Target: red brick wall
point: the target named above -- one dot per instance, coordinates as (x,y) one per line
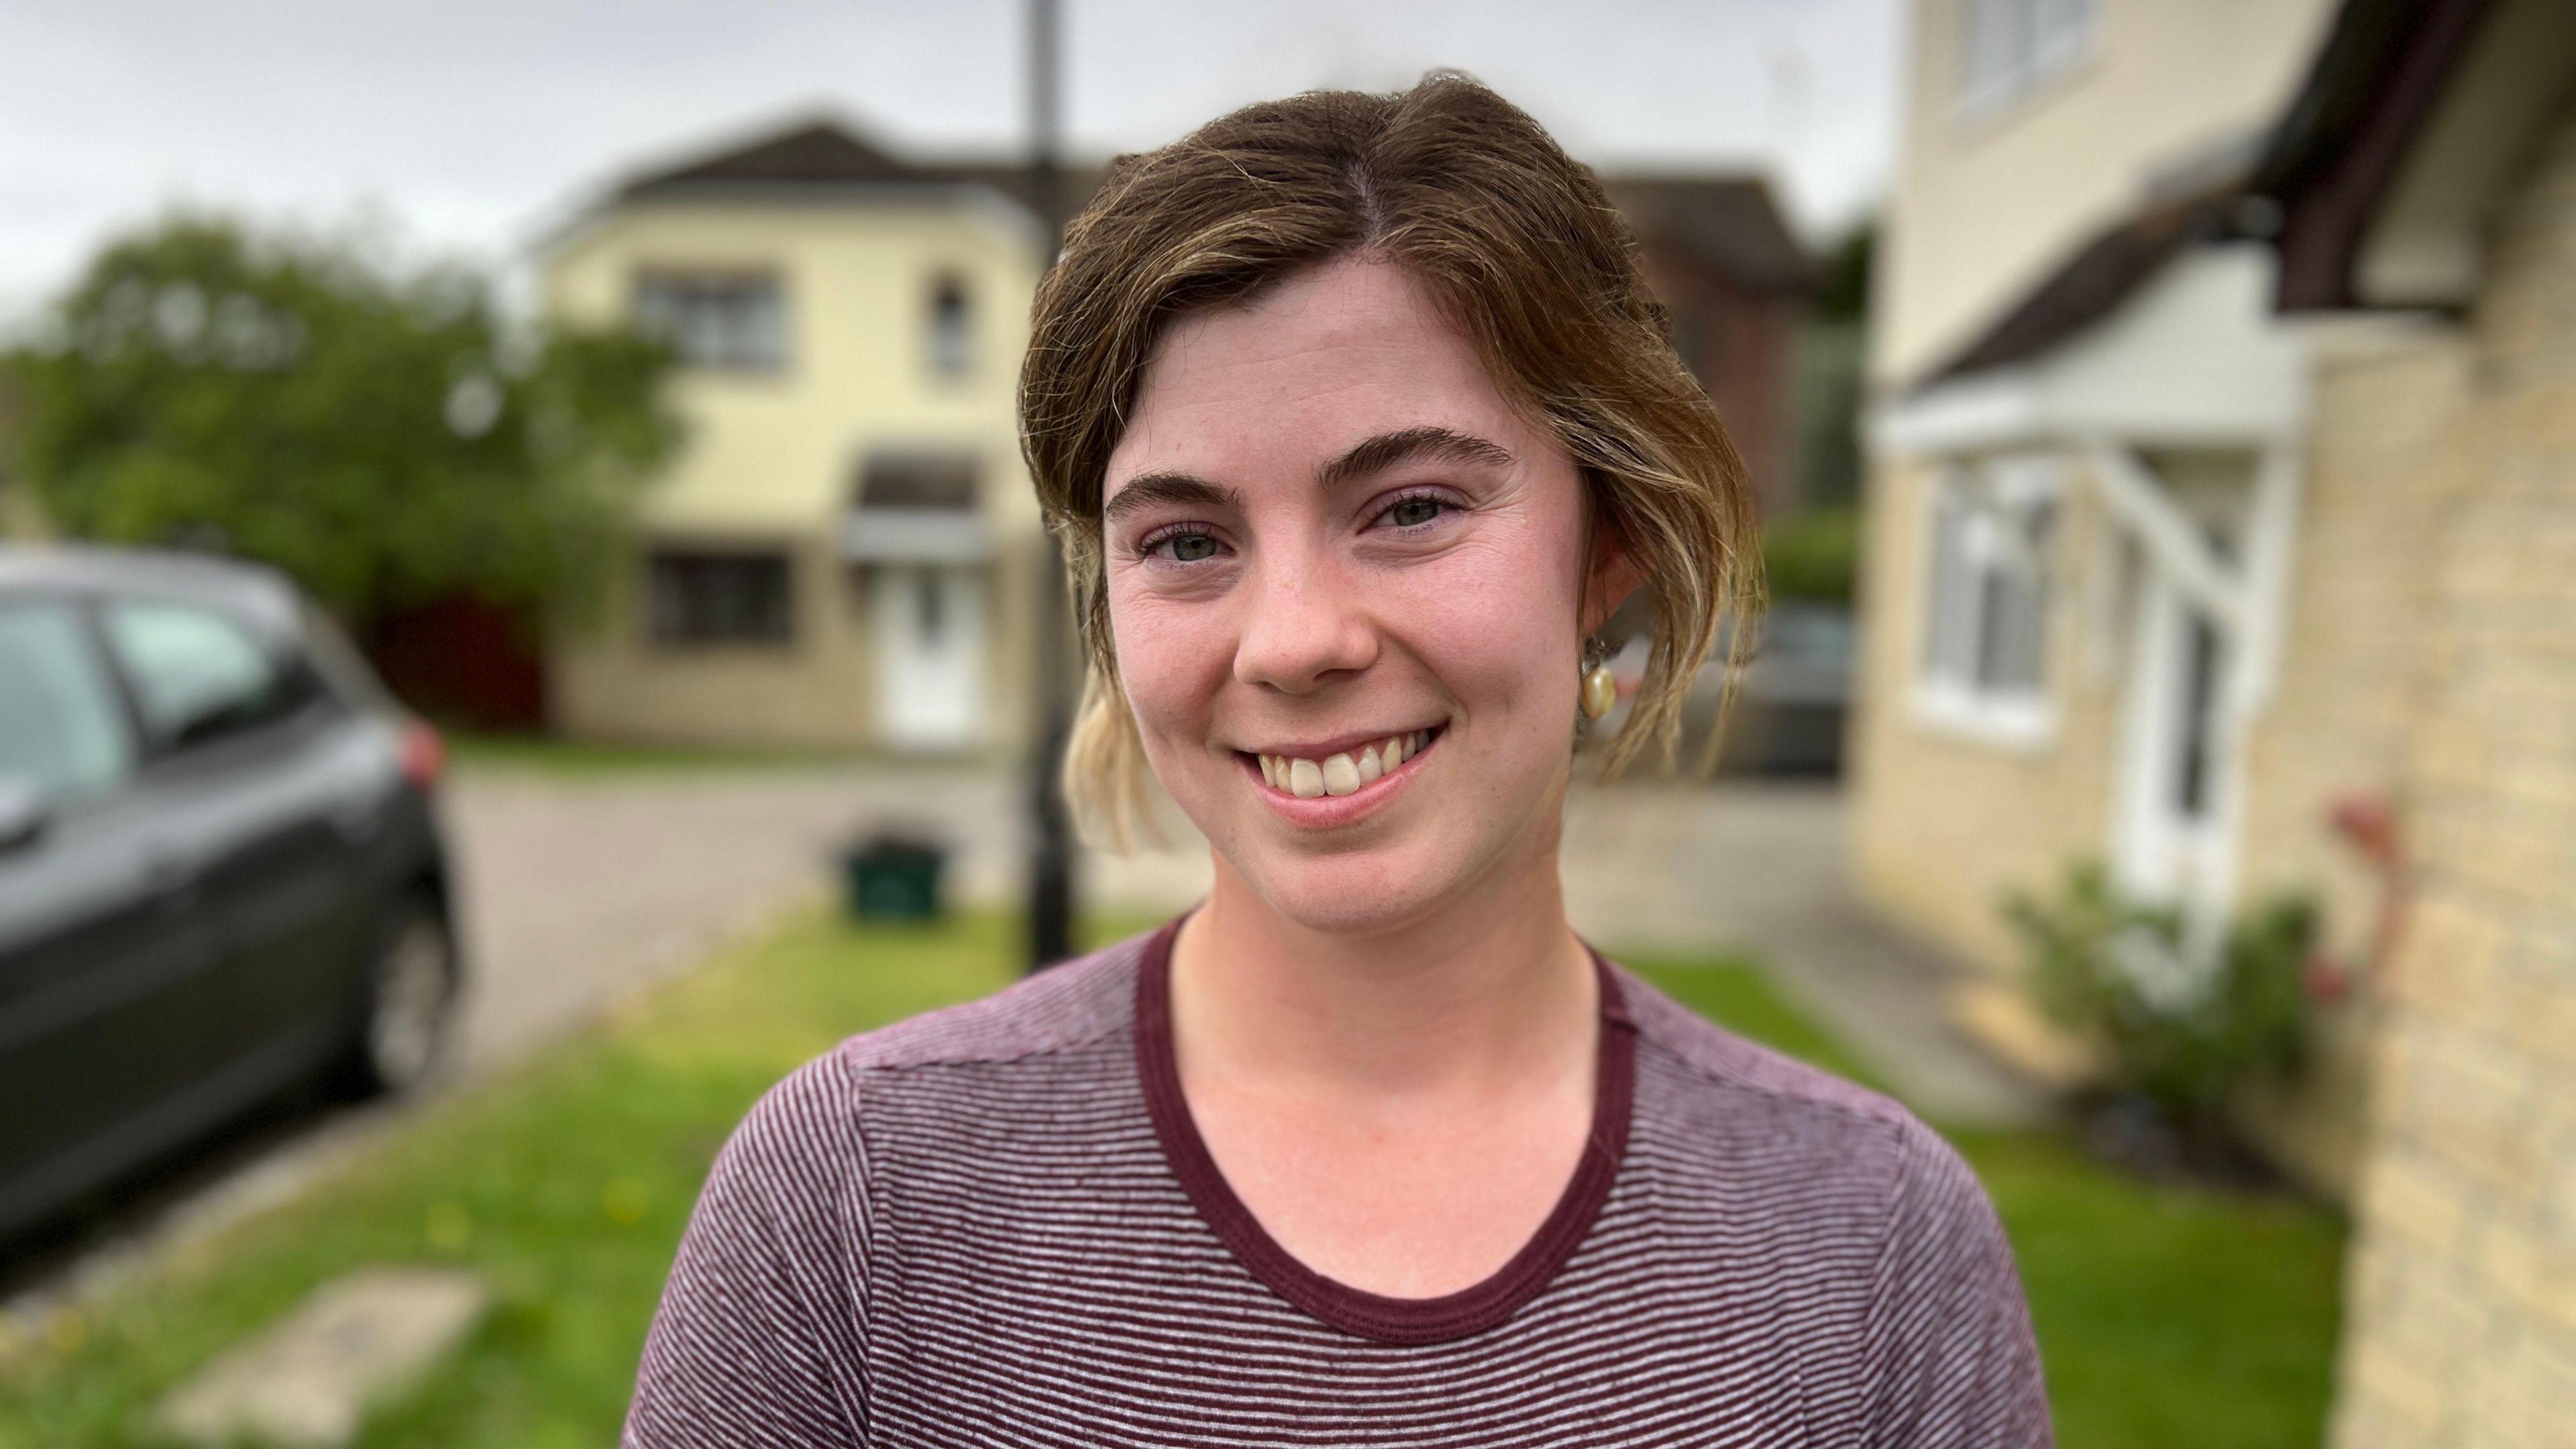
(1739,344)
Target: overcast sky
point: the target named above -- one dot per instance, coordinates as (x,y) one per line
(469,124)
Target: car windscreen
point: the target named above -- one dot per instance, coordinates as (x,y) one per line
(62,729)
(198,673)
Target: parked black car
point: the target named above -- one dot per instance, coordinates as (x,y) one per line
(220,872)
(1791,701)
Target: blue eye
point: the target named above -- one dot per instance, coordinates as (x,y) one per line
(1182,545)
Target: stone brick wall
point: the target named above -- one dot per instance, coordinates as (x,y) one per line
(2379,474)
(2461,1290)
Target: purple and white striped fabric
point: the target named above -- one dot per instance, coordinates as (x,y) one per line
(994,1224)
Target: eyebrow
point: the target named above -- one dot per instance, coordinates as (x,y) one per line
(1374,455)
(1384,451)
(1149,490)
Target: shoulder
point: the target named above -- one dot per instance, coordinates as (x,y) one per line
(1731,1102)
(815,1110)
(1063,1008)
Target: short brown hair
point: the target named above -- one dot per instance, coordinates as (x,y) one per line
(1514,240)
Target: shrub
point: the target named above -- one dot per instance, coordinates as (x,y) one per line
(1813,555)
(2178,1026)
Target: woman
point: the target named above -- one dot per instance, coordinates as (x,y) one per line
(1357,423)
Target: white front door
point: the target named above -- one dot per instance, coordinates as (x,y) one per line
(2175,755)
(930,654)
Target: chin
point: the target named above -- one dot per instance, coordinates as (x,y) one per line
(1407,874)
(1349,893)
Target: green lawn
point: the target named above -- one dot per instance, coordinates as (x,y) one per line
(566,758)
(2165,1316)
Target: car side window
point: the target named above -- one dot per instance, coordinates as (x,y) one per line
(62,730)
(197,674)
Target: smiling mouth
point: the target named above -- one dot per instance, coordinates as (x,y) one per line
(1344,772)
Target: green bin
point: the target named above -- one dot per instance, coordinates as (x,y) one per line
(893,878)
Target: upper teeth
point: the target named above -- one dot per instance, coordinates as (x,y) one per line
(1341,774)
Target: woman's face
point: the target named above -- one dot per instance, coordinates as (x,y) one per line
(1327,531)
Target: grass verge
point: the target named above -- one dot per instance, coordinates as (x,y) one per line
(2165,1315)
(564,758)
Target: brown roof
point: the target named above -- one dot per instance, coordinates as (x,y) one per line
(2325,162)
(2095,278)
(1727,222)
(819,152)
(2376,83)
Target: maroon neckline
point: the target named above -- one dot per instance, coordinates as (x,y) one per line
(1468,1311)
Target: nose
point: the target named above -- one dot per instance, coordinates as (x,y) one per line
(1304,625)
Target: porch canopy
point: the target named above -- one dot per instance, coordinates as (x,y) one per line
(2154,343)
(2159,334)
(917,507)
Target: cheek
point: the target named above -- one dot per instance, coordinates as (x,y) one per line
(1495,620)
(1172,657)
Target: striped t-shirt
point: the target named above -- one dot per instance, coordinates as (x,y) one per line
(995,1224)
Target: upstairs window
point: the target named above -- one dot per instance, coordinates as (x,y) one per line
(702,596)
(1994,526)
(730,321)
(2009,48)
(952,329)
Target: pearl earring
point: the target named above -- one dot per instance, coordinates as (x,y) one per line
(1600,691)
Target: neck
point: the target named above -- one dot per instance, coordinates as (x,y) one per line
(1478,993)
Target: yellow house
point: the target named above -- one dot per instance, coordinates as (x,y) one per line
(844,554)
(2428,171)
(2155,514)
(2223,517)
(2135,588)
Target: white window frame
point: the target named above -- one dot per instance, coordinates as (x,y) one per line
(1992,523)
(951,332)
(2034,42)
(726,320)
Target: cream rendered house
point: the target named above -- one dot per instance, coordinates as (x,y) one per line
(2224,481)
(843,555)
(2093,623)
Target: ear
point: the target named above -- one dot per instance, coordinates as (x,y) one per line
(1615,575)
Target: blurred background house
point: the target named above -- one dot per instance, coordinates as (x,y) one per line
(2222,527)
(1736,283)
(843,556)
(845,553)
(2084,507)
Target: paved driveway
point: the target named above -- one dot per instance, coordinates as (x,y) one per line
(580,889)
(1758,865)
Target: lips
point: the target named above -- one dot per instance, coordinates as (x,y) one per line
(1341,772)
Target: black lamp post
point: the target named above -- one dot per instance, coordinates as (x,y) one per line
(1050,907)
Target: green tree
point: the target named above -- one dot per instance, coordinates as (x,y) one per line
(1829,361)
(383,435)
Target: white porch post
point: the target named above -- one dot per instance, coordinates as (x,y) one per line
(2134,496)
(2271,536)
(2247,602)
